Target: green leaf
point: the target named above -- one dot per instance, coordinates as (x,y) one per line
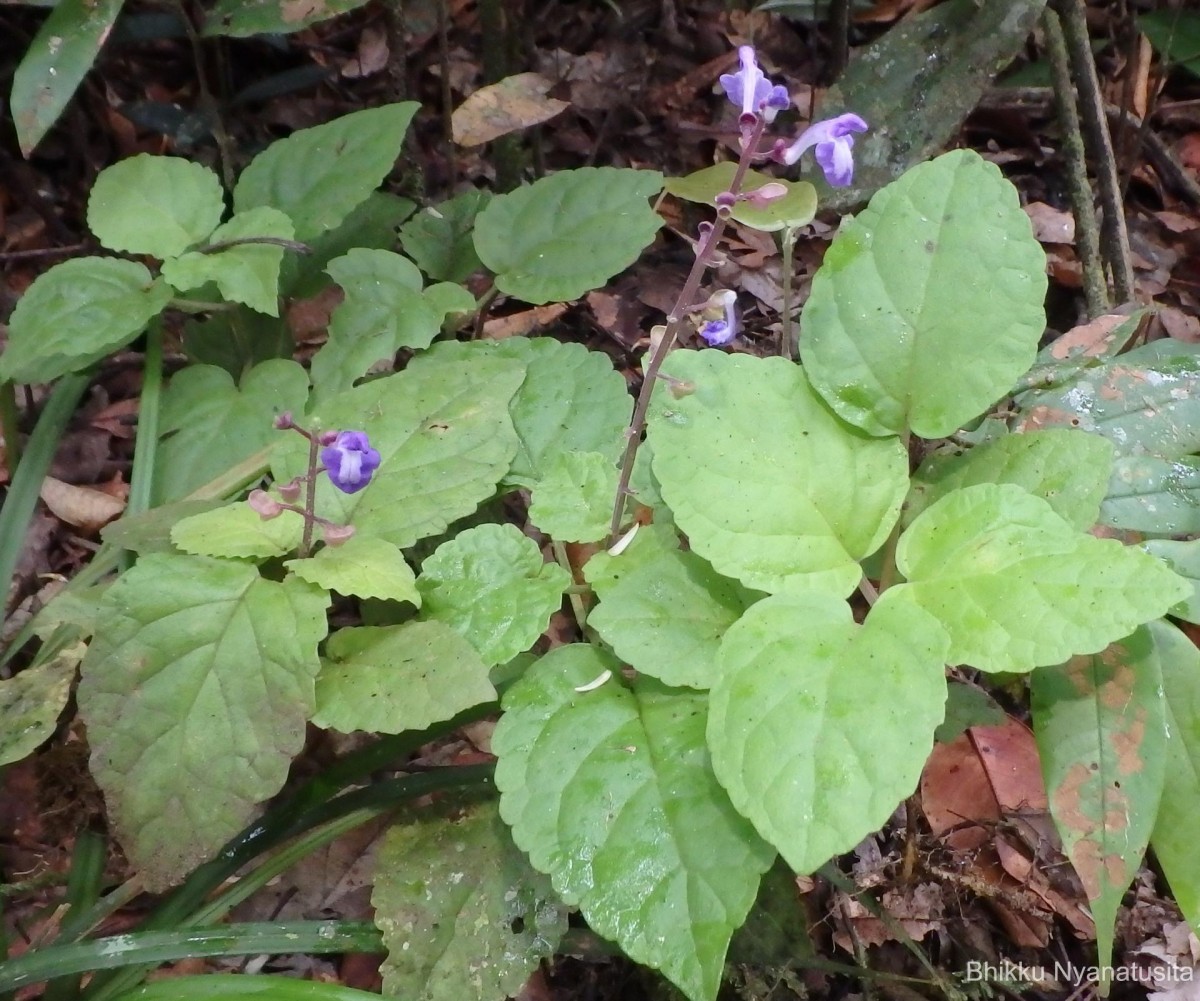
(568,233)
(237,339)
(1017,587)
(491,585)
(797,208)
(462,913)
(966,706)
(150,531)
(383,311)
(236,531)
(611,793)
(1144,401)
(76,313)
(1101,736)
(362,566)
(195,692)
(55,63)
(156,205)
(572,400)
(318,175)
(371,224)
(663,610)
(31,702)
(885,342)
(1175,35)
(246,273)
(1184,559)
(768,485)
(239,19)
(818,726)
(1151,494)
(450,300)
(573,502)
(440,238)
(208,424)
(388,679)
(1068,469)
(1174,835)
(444,436)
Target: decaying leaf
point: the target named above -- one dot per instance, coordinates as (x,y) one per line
(515,103)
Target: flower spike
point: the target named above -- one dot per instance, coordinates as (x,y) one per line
(834,144)
(750,88)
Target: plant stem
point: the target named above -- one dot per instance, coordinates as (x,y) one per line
(10,427)
(687,297)
(578,607)
(145,447)
(786,347)
(26,484)
(310,499)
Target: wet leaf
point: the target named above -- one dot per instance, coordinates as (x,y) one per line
(1068,469)
(462,913)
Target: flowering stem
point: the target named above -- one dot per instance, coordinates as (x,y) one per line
(686,296)
(310,497)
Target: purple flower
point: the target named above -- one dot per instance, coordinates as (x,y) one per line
(750,88)
(721,323)
(350,461)
(835,146)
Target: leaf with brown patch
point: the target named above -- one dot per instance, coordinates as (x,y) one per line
(1101,730)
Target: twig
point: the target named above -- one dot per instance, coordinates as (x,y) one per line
(1087,234)
(1114,236)
(20,255)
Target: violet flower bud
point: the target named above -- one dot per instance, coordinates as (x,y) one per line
(721,323)
(289,491)
(750,88)
(335,535)
(350,460)
(264,505)
(834,147)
